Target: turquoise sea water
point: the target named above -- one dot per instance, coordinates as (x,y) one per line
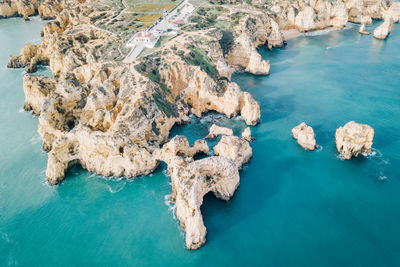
(293,207)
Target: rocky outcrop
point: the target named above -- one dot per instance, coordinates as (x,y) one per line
(354,139)
(257,65)
(362,30)
(393,12)
(252,32)
(246,134)
(305,136)
(48,9)
(37,89)
(202,93)
(10,8)
(234,148)
(216,130)
(383,30)
(191,180)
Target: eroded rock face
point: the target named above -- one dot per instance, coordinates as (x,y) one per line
(354,139)
(246,134)
(254,31)
(234,148)
(191,180)
(257,65)
(216,130)
(48,9)
(37,89)
(305,136)
(383,30)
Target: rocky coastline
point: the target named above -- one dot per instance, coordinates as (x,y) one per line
(114,119)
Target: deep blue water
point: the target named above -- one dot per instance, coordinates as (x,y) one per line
(293,207)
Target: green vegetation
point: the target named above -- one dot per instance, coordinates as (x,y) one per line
(206,17)
(168,108)
(197,57)
(150,67)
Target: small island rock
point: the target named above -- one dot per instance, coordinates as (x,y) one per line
(216,130)
(354,139)
(305,136)
(383,30)
(246,135)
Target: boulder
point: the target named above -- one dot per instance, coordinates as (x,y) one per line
(246,135)
(354,139)
(305,136)
(216,130)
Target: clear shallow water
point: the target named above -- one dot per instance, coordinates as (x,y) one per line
(293,207)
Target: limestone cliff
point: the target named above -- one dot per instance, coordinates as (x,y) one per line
(48,9)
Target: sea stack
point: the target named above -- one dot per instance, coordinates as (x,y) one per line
(354,139)
(216,130)
(362,30)
(383,30)
(305,136)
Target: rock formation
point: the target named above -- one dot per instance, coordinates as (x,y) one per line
(234,148)
(48,9)
(37,89)
(191,180)
(354,139)
(216,130)
(246,134)
(305,136)
(383,30)
(114,118)
(362,30)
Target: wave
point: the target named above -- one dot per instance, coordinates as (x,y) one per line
(171,206)
(117,188)
(35,139)
(165,172)
(211,118)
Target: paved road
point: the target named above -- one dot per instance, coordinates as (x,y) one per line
(137,49)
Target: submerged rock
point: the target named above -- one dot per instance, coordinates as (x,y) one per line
(216,130)
(305,136)
(354,139)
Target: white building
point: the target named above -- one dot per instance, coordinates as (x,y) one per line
(143,38)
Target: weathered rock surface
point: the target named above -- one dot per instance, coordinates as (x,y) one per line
(383,30)
(48,9)
(354,139)
(113,118)
(362,30)
(254,31)
(37,89)
(246,134)
(305,136)
(216,130)
(257,65)
(191,180)
(234,148)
